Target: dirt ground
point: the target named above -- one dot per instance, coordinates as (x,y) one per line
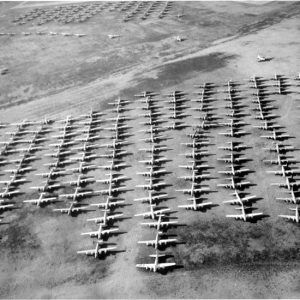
(56,76)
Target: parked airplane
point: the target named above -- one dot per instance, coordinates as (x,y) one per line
(151,185)
(72,208)
(8,192)
(100,233)
(193,190)
(233,185)
(238,200)
(6,206)
(113,36)
(283,172)
(113,165)
(41,200)
(153,213)
(294,218)
(156,266)
(83,166)
(195,205)
(232,158)
(98,251)
(158,241)
(275,136)
(78,194)
(233,146)
(194,177)
(105,218)
(109,203)
(113,178)
(152,197)
(289,185)
(153,171)
(48,186)
(244,216)
(233,171)
(293,199)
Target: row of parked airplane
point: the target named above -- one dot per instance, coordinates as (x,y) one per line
(153,173)
(234,159)
(283,161)
(113,183)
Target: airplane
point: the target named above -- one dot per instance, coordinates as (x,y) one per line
(153,213)
(152,172)
(18,170)
(193,190)
(115,153)
(232,132)
(98,251)
(283,172)
(238,200)
(151,185)
(233,185)
(108,203)
(265,126)
(78,193)
(113,36)
(232,123)
(262,58)
(113,178)
(179,39)
(84,156)
(279,161)
(100,232)
(194,177)
(158,241)
(279,148)
(159,224)
(8,192)
(195,153)
(156,266)
(48,186)
(71,209)
(114,144)
(287,184)
(145,94)
(195,206)
(154,148)
(13,180)
(110,190)
(41,200)
(6,206)
(293,199)
(79,34)
(88,138)
(54,172)
(62,144)
(105,218)
(275,136)
(153,160)
(232,146)
(152,197)
(244,216)
(232,159)
(233,171)
(294,218)
(30,149)
(58,154)
(81,180)
(113,165)
(194,166)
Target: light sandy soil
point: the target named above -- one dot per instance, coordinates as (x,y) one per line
(38,257)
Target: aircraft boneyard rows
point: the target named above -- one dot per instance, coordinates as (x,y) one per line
(81,164)
(78,13)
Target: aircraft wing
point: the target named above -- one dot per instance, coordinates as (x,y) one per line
(81,208)
(237,217)
(146,266)
(87,252)
(165,265)
(288,217)
(166,241)
(148,243)
(253,215)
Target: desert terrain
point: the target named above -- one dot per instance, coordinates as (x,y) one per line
(55,76)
